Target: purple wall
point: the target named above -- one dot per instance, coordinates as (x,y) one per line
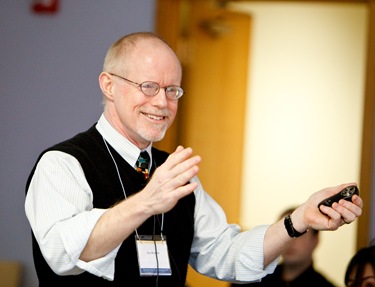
(49,91)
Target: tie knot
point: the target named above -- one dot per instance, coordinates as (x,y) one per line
(143,163)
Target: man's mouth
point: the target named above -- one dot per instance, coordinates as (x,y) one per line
(154,117)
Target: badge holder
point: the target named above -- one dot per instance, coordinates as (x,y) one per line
(153,259)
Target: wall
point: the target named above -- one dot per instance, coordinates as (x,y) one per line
(49,91)
(305,109)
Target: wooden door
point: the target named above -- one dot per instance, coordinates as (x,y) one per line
(213,45)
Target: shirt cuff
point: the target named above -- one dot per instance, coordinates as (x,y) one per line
(101,267)
(254,259)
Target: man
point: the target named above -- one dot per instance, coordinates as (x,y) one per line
(95,219)
(296,269)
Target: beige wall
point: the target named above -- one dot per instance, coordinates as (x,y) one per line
(305,108)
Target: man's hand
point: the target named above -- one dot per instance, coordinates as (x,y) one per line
(170,182)
(308,215)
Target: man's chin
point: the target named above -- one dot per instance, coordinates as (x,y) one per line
(156,137)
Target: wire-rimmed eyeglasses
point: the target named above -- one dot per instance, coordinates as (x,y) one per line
(151,89)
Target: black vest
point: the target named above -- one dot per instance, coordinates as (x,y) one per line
(100,171)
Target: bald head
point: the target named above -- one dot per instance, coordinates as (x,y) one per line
(132,48)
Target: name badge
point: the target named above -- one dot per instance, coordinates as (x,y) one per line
(153,259)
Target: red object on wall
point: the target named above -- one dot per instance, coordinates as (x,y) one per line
(45,6)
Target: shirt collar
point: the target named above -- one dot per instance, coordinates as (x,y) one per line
(122,145)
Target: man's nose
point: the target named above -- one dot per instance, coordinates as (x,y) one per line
(160,99)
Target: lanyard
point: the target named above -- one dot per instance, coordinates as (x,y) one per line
(123,190)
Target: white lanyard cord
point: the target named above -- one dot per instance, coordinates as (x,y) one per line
(123,190)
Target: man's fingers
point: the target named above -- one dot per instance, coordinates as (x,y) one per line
(177,164)
(186,189)
(178,156)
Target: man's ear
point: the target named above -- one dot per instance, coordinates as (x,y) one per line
(106,85)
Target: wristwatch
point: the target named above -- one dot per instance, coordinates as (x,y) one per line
(289,227)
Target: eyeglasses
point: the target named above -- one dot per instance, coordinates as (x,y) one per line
(151,89)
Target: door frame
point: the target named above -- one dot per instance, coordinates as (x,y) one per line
(367,155)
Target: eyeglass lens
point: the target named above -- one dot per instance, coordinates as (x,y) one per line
(151,89)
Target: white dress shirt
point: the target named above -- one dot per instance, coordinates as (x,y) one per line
(59,207)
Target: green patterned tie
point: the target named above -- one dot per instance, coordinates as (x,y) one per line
(143,164)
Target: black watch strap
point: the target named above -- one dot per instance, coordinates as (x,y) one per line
(289,227)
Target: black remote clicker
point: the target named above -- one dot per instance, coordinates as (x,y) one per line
(347,194)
